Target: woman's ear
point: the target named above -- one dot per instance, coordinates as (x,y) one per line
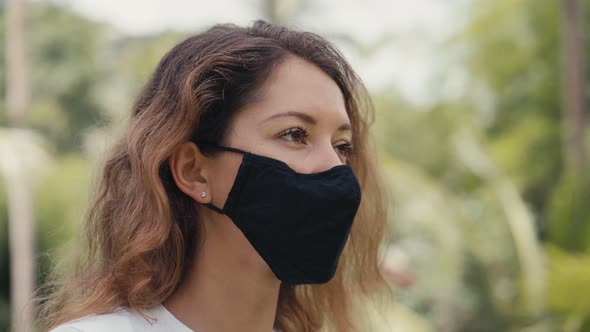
(188,167)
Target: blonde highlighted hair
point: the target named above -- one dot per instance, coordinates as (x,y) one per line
(141,230)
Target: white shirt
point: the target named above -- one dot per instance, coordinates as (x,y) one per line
(126,320)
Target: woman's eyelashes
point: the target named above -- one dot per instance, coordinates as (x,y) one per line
(296,135)
(299,135)
(345,149)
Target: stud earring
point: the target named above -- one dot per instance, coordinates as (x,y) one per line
(203,194)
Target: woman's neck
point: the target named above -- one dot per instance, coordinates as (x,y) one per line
(228,287)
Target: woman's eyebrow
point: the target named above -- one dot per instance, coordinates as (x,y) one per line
(344,127)
(304,117)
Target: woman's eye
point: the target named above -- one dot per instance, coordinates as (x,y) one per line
(296,135)
(345,149)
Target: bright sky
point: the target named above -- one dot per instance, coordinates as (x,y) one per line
(409,61)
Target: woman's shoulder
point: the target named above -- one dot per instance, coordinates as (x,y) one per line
(122,320)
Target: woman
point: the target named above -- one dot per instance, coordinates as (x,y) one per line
(229,202)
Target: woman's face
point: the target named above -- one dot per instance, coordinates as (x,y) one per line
(300,119)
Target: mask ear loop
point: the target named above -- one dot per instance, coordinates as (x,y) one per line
(225,148)
(221,147)
(214,208)
(230,149)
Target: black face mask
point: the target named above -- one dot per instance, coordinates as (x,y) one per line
(298,223)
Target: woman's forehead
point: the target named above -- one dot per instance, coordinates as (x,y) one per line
(299,86)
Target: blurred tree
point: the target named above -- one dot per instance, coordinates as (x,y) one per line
(525,104)
(536,133)
(67,70)
(575,235)
(23,151)
(18,187)
(569,288)
(459,219)
(528,110)
(24,159)
(573,79)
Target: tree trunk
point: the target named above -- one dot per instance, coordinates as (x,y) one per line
(574,118)
(17,93)
(22,265)
(21,226)
(573,75)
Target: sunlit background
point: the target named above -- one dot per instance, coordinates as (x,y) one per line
(481,130)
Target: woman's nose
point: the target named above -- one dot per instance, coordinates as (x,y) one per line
(321,159)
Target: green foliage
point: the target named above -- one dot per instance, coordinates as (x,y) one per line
(60,202)
(133,59)
(4,313)
(514,52)
(66,58)
(4,261)
(60,205)
(137,57)
(570,213)
(67,70)
(569,288)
